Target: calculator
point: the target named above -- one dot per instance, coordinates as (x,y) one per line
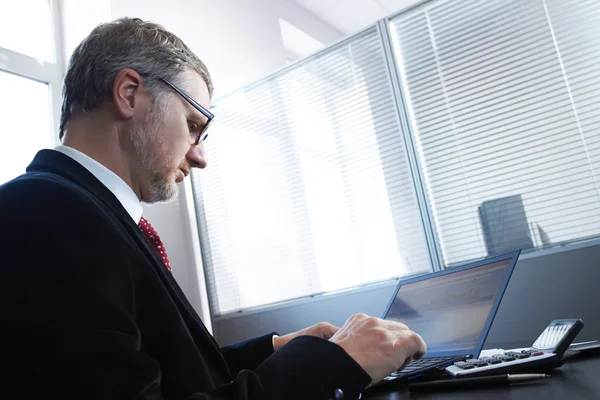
(546,353)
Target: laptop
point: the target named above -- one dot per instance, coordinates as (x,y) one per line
(452,310)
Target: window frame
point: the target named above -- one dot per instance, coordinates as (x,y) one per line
(432,251)
(51,74)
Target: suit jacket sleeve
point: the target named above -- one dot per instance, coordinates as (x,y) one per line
(67,311)
(248,354)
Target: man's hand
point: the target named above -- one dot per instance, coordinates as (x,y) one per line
(323,330)
(379,346)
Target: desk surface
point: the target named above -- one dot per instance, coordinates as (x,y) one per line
(578,378)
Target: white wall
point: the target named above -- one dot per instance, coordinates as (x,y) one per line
(308,22)
(240,42)
(78,18)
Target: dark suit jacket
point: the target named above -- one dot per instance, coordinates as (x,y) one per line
(89,311)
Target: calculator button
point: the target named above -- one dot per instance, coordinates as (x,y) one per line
(464,365)
(493,360)
(478,363)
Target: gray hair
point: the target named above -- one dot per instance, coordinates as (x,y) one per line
(143,46)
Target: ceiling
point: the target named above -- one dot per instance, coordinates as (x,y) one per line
(350,16)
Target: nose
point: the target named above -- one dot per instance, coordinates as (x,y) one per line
(196,156)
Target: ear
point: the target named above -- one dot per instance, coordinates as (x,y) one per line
(127,93)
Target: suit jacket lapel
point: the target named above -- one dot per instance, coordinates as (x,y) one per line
(61,164)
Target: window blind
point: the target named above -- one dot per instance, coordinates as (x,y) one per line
(503,100)
(308,187)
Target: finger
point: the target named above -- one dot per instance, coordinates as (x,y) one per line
(327,330)
(356,317)
(406,362)
(422,347)
(417,345)
(330,329)
(409,346)
(395,325)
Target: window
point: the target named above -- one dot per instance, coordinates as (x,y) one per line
(26,28)
(311,185)
(308,188)
(30,83)
(503,98)
(21,140)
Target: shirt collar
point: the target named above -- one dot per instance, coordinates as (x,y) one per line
(112,181)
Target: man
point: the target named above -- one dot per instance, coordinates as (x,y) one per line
(89,307)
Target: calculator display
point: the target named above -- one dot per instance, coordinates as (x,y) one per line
(552,335)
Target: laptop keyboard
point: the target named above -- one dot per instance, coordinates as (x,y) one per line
(423,364)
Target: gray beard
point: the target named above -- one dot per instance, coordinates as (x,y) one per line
(148,144)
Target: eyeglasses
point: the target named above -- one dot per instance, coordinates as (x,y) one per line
(203,134)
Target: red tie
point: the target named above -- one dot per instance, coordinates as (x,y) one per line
(155,241)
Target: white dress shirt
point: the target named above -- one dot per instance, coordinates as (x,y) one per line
(112,181)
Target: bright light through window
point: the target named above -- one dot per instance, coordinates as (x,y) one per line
(26,27)
(308,184)
(26,123)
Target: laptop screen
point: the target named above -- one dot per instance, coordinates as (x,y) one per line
(452,310)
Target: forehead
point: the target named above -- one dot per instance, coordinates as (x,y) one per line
(196,88)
